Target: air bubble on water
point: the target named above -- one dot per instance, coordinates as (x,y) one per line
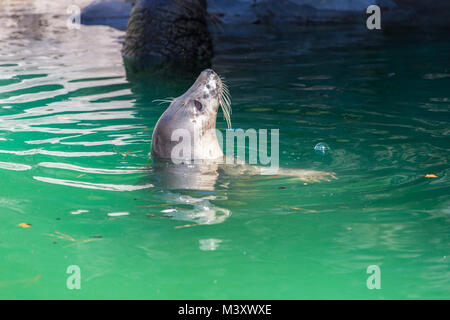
(321,148)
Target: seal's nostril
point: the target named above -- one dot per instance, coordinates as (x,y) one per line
(209,72)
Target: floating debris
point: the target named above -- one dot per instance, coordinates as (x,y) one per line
(299,209)
(63,236)
(186,226)
(81,242)
(125,154)
(24,225)
(25,282)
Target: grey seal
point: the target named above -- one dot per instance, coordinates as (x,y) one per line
(195,111)
(194,114)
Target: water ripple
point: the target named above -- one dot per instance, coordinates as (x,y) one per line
(97,186)
(66,166)
(58,153)
(14,166)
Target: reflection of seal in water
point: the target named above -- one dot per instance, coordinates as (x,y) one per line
(194,113)
(169,30)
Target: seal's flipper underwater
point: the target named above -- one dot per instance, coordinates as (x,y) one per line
(191,119)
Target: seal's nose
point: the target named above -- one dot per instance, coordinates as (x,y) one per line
(209,72)
(207,75)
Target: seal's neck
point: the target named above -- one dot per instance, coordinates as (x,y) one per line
(206,146)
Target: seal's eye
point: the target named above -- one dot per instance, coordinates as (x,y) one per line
(198,105)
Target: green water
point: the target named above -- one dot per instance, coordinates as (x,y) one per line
(75,134)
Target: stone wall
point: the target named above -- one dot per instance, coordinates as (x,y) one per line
(302,12)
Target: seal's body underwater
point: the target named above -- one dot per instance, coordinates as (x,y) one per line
(190,120)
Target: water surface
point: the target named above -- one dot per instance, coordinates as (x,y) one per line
(75,136)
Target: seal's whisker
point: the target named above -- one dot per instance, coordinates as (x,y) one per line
(226,97)
(227,94)
(225,103)
(225,88)
(165,100)
(162,102)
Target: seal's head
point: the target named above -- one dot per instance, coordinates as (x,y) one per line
(190,121)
